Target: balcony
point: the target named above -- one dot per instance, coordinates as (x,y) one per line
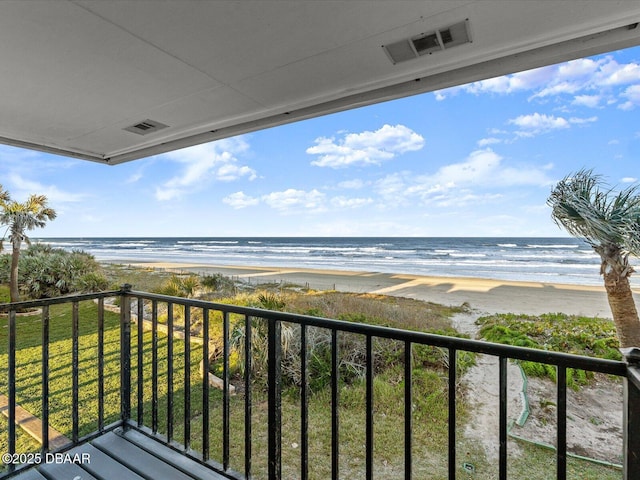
(121,395)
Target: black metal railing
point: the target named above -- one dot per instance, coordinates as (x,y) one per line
(161,393)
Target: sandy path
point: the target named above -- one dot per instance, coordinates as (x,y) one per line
(594,414)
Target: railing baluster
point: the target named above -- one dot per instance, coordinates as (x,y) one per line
(169,371)
(453,353)
(45,379)
(125,354)
(408,410)
(631,421)
(248,365)
(369,408)
(205,384)
(225,391)
(275,398)
(140,375)
(335,398)
(100,364)
(11,447)
(502,461)
(154,366)
(304,405)
(562,424)
(75,371)
(187,377)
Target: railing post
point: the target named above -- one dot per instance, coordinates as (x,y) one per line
(125,354)
(631,421)
(11,444)
(275,398)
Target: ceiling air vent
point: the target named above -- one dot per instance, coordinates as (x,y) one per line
(146,127)
(428,43)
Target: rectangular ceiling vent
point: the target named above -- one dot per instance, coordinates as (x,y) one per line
(428,43)
(146,127)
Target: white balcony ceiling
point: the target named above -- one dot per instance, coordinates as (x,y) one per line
(75,74)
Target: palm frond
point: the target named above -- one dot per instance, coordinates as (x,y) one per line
(586,207)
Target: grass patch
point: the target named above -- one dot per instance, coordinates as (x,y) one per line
(29,367)
(558,332)
(5,295)
(142,279)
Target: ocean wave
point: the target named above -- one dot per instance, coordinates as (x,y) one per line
(187,242)
(562,246)
(530,259)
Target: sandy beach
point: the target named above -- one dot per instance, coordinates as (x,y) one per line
(482,295)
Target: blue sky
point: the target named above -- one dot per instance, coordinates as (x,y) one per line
(475,160)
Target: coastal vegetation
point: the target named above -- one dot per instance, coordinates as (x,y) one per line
(19,218)
(609,221)
(46,272)
(430,372)
(558,332)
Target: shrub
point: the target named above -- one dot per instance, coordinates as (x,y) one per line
(271,301)
(217,283)
(49,272)
(177,286)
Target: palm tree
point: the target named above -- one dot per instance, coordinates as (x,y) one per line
(19,218)
(610,222)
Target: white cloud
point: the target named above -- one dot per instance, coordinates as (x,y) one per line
(356,184)
(628,180)
(632,94)
(483,142)
(464,199)
(344,202)
(240,200)
(581,121)
(591,101)
(134,177)
(573,77)
(22,188)
(453,184)
(202,164)
(537,123)
(295,200)
(613,73)
(366,148)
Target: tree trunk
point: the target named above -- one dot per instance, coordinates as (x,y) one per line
(14,290)
(616,270)
(624,312)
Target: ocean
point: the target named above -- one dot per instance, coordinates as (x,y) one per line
(549,260)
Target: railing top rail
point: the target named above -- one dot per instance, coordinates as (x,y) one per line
(611,367)
(78,297)
(519,353)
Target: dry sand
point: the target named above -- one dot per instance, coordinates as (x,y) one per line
(482,295)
